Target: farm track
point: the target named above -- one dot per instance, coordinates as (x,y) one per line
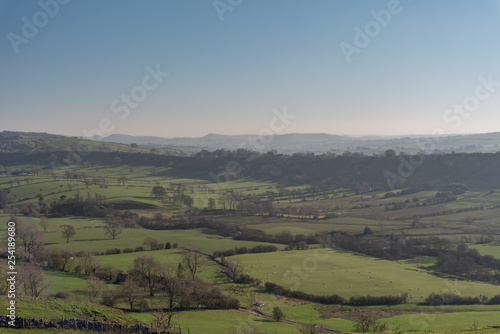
(286,321)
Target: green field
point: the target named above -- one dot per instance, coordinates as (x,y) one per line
(325,271)
(201,322)
(94,240)
(297,210)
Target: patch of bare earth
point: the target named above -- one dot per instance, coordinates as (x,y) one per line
(353,314)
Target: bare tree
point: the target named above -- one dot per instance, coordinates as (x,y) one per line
(90,264)
(36,170)
(172,285)
(94,288)
(233,270)
(32,242)
(147,270)
(44,223)
(33,280)
(113,227)
(193,261)
(130,292)
(153,243)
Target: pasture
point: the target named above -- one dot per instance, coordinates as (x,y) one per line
(316,270)
(324,272)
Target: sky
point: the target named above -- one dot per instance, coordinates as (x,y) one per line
(187,68)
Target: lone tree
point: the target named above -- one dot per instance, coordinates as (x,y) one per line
(122,179)
(211,203)
(4,199)
(158,192)
(113,227)
(68,232)
(277,314)
(44,223)
(36,170)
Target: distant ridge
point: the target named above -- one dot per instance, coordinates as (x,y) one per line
(21,134)
(323,142)
(317,143)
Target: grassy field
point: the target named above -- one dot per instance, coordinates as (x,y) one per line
(94,240)
(65,282)
(433,318)
(316,270)
(201,322)
(56,309)
(492,249)
(325,271)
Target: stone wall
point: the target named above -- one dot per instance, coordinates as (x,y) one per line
(22,322)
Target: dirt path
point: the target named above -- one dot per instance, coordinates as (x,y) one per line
(290,322)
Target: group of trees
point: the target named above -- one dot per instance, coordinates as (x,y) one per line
(180,286)
(456,299)
(469,263)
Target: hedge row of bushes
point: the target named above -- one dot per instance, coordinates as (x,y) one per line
(336,299)
(244,250)
(454,299)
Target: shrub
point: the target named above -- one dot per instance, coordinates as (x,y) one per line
(367,230)
(127,250)
(109,298)
(277,314)
(61,295)
(494,300)
(369,324)
(111,251)
(139,249)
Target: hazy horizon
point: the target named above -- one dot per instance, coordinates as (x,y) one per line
(187,68)
(286,133)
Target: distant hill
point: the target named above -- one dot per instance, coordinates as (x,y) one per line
(32,142)
(11,134)
(319,143)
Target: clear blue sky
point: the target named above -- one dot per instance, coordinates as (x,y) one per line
(226,76)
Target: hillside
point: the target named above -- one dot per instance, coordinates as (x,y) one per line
(31,142)
(320,143)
